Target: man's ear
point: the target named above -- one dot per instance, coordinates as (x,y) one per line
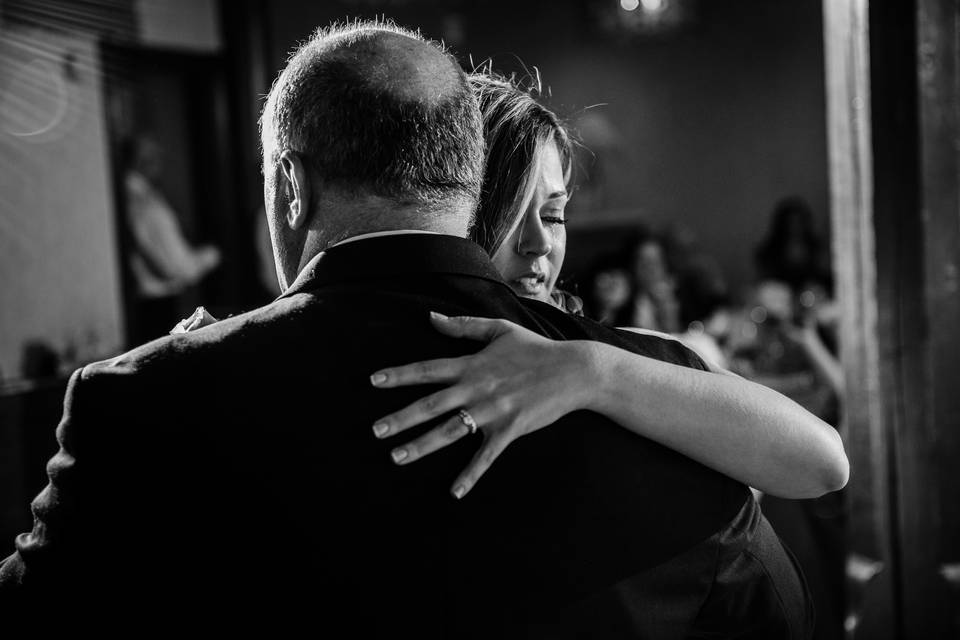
(297,188)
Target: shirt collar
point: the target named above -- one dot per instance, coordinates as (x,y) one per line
(381,234)
(395,255)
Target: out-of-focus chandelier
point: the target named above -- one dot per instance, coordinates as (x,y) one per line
(633,18)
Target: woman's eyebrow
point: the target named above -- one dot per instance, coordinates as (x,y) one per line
(557,194)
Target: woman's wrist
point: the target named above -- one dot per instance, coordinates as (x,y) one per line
(597,362)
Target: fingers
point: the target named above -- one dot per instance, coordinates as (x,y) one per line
(490,451)
(427,371)
(423,410)
(435,439)
(484,329)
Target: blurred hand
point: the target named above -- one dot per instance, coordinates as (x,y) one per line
(803,333)
(518,383)
(198,319)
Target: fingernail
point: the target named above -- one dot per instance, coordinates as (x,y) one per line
(380,429)
(398,454)
(438,316)
(378,378)
(459,491)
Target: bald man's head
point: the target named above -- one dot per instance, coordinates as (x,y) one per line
(375,109)
(400,65)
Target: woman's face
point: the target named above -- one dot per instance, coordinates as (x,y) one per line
(611,288)
(530,258)
(650,267)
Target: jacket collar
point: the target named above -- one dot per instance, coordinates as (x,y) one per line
(395,256)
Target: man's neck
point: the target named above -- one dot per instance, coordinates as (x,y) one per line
(337,222)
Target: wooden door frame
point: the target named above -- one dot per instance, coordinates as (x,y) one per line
(892,114)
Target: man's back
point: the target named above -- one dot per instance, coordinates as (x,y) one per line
(233,472)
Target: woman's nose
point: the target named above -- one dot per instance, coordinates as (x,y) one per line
(535,239)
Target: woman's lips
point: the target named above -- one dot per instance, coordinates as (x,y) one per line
(531,284)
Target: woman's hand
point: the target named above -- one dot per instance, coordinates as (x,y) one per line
(518,383)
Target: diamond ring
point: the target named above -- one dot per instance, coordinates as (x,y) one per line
(467,420)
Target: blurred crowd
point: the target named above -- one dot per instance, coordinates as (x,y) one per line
(780,331)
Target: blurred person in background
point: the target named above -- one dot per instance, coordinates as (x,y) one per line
(608,291)
(789,352)
(163,262)
(815,330)
(655,303)
(792,251)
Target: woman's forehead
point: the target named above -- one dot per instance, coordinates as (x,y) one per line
(550,177)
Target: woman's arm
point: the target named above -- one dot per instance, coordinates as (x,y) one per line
(522,382)
(824,364)
(738,427)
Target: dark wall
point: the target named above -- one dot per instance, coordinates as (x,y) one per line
(705,128)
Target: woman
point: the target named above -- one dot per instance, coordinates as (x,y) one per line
(608,291)
(655,304)
(792,251)
(521,381)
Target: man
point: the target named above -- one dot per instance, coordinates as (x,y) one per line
(230,475)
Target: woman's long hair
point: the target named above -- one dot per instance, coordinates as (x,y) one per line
(793,221)
(516,127)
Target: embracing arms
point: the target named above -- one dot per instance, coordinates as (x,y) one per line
(521,382)
(740,428)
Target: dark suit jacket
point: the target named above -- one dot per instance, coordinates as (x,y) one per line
(230,475)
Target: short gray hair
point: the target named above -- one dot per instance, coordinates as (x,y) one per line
(361,134)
